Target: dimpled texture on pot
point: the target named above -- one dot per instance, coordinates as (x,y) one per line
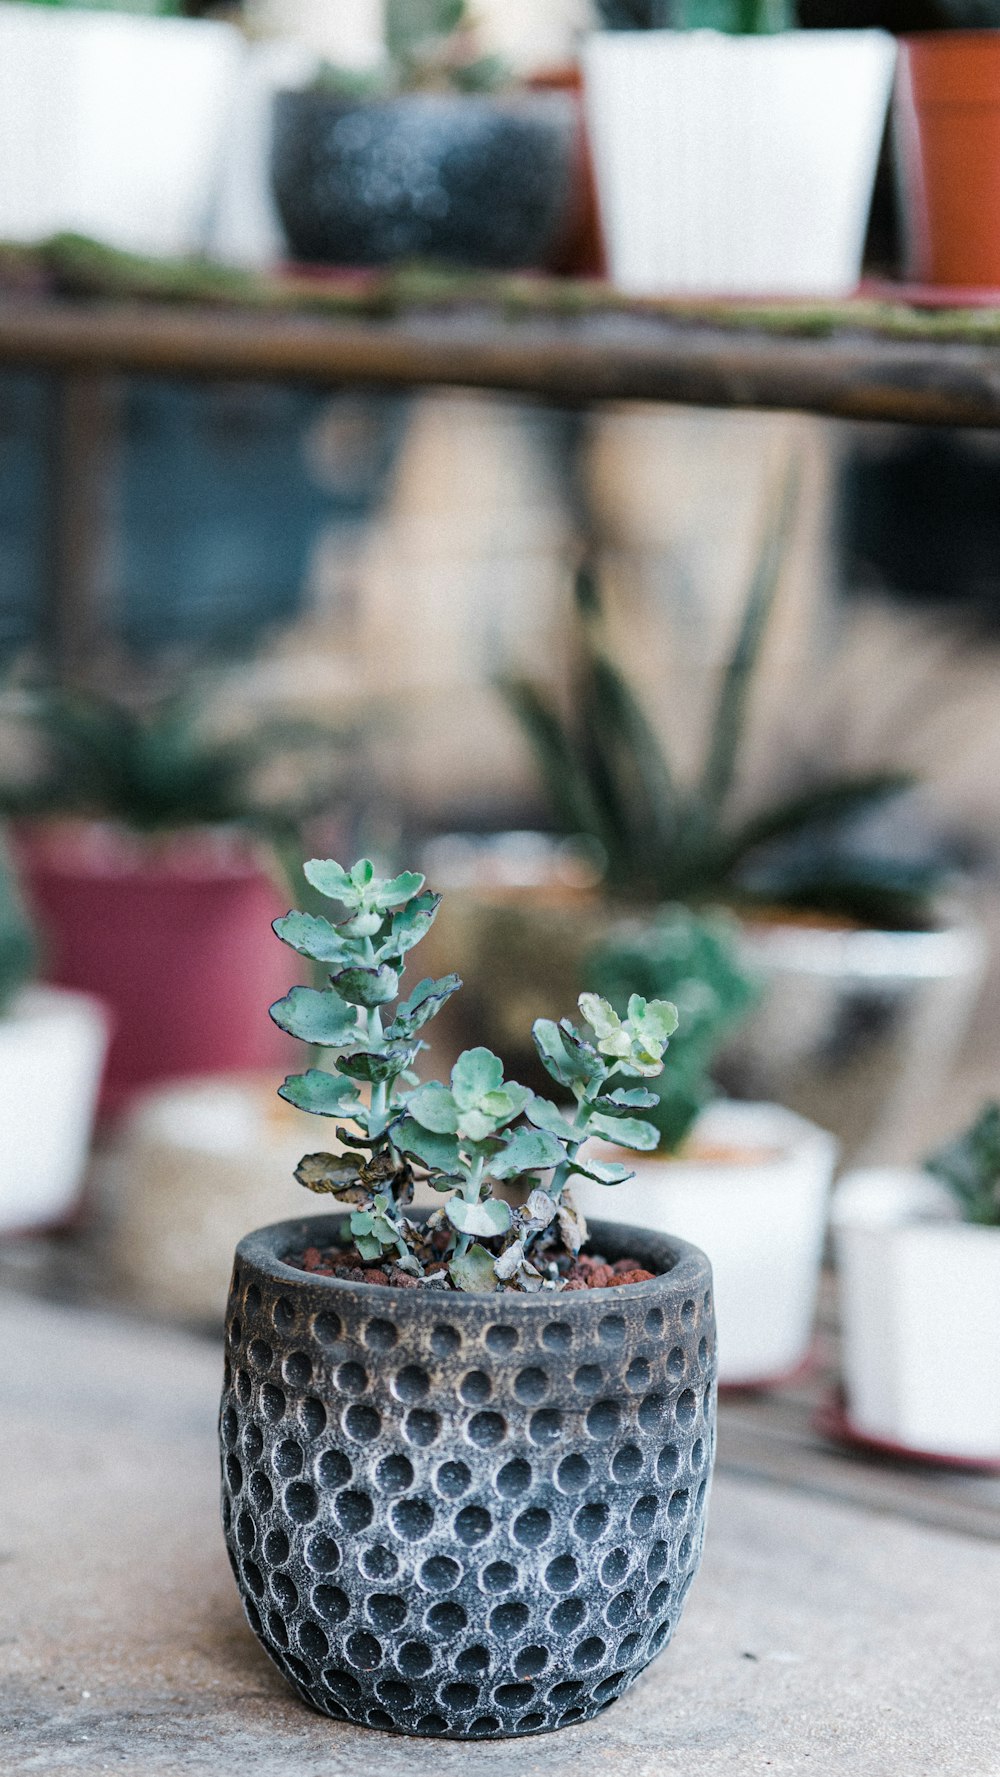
(472,180)
(465,1515)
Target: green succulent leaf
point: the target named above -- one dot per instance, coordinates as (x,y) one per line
(475,1073)
(603,1172)
(331,880)
(569,1060)
(316,1016)
(476,1126)
(431,1147)
(636,1098)
(414,921)
(505,1104)
(377,1066)
(475,1271)
(653,1020)
(488,1218)
(361,925)
(312,936)
(367,987)
(434,1108)
(362,875)
(319,1092)
(398,890)
(423,1004)
(527,1150)
(545,1115)
(627,1132)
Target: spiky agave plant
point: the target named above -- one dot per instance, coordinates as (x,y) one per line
(607,776)
(969,1168)
(466,1137)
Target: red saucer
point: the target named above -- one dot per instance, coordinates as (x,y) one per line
(831,1420)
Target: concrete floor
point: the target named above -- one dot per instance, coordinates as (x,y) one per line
(820,1637)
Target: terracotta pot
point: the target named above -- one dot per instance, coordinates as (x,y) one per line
(175,940)
(947,125)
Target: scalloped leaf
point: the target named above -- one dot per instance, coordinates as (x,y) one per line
(367,987)
(475,1271)
(489,1218)
(374,1066)
(316,1016)
(603,1172)
(625,1132)
(636,1098)
(311,935)
(336,1175)
(475,1073)
(330,879)
(429,1146)
(528,1150)
(398,890)
(564,1055)
(434,1108)
(546,1115)
(323,1094)
(423,1004)
(414,921)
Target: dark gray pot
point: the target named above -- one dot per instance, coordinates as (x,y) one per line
(480,181)
(465,1515)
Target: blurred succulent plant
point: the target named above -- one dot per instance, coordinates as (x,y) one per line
(607,778)
(17,939)
(431,45)
(969,1167)
(694,962)
(155,768)
(737,17)
(465,1137)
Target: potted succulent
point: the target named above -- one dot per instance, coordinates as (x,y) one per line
(947,139)
(151,854)
(433,155)
(46,1034)
(868,981)
(734,155)
(918,1251)
(465,1456)
(113,121)
(748,1183)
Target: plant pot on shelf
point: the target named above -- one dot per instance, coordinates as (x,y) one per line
(920,1317)
(733,165)
(751,1189)
(112,126)
(465,1515)
(857,1028)
(947,129)
(173,937)
(195,1163)
(52,1048)
(469,179)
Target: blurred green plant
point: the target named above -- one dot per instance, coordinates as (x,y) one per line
(431,46)
(155,767)
(607,777)
(969,1167)
(463,1138)
(694,962)
(18,951)
(736,17)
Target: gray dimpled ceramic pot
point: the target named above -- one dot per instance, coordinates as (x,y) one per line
(465,1515)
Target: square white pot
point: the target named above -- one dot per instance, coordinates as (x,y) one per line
(736,166)
(113,126)
(920,1316)
(760,1220)
(52,1048)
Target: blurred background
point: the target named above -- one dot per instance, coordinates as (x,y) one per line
(702,699)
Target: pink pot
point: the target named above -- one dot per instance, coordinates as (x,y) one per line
(174,937)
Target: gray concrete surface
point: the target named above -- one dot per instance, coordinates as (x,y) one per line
(820,1637)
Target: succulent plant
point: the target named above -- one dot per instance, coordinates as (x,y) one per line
(737,17)
(431,45)
(17,939)
(694,962)
(969,1167)
(465,1137)
(608,778)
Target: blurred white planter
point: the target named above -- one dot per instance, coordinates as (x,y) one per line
(112,126)
(920,1316)
(760,1219)
(736,165)
(52,1048)
(197,1164)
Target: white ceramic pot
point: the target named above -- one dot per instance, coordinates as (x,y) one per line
(920,1316)
(113,126)
(52,1048)
(198,1163)
(856,1029)
(760,1218)
(736,165)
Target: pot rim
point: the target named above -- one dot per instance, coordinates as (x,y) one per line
(687,1270)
